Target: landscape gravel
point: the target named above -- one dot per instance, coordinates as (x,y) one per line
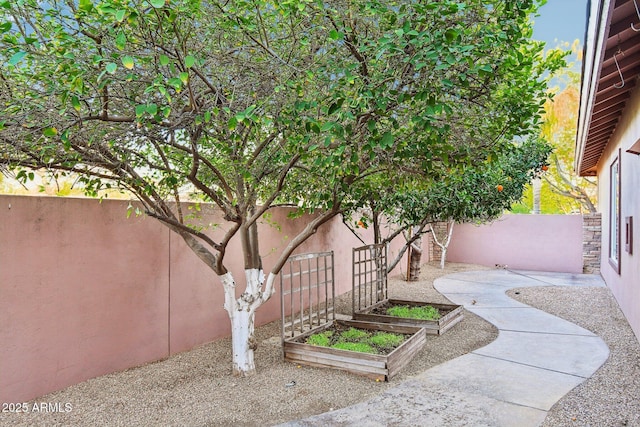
(196,388)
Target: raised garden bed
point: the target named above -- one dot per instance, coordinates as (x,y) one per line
(380,367)
(449,315)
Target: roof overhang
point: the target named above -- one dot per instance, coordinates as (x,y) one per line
(611,65)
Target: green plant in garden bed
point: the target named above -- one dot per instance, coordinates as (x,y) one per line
(387,339)
(322,339)
(359,340)
(360,347)
(425,312)
(353,334)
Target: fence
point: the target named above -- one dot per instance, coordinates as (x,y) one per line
(84,291)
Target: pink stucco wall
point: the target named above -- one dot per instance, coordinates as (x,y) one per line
(527,242)
(84,291)
(624,285)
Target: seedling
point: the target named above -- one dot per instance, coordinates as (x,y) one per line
(425,312)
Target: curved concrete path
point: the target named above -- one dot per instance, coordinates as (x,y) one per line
(536,359)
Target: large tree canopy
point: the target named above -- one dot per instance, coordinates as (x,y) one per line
(246,104)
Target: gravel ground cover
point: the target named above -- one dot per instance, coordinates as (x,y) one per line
(196,388)
(611,397)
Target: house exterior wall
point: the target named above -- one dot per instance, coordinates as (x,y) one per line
(626,284)
(525,242)
(84,291)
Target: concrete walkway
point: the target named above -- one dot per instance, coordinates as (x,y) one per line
(536,359)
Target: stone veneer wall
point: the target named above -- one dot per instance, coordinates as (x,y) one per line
(591,242)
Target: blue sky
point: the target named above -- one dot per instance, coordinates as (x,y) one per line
(560,21)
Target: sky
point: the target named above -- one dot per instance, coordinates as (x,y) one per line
(560,21)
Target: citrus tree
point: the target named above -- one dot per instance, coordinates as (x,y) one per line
(248,104)
(476,194)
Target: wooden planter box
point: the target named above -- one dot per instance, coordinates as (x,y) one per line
(449,316)
(376,366)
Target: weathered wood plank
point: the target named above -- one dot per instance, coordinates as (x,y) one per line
(375,366)
(332,360)
(372,375)
(336,354)
(452,313)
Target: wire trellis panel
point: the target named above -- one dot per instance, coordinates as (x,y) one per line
(307,291)
(369,276)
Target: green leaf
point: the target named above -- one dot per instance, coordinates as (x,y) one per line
(111,67)
(164,60)
(175,83)
(336,106)
(335,35)
(140,110)
(152,109)
(75,102)
(4,27)
(451,35)
(189,61)
(50,132)
(327,126)
(85,5)
(121,40)
(184,77)
(120,15)
(127,61)
(157,3)
(387,139)
(17,57)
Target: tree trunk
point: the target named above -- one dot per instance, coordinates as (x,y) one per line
(537,187)
(243,342)
(242,312)
(415,256)
(445,244)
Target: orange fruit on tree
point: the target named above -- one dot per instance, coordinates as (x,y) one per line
(499,187)
(545,167)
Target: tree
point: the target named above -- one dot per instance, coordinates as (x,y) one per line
(560,122)
(564,191)
(477,194)
(251,104)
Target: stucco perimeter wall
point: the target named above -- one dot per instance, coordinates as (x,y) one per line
(85,291)
(624,285)
(527,242)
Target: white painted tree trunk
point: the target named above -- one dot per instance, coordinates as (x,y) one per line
(537,187)
(445,244)
(242,313)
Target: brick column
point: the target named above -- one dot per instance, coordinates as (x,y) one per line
(591,243)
